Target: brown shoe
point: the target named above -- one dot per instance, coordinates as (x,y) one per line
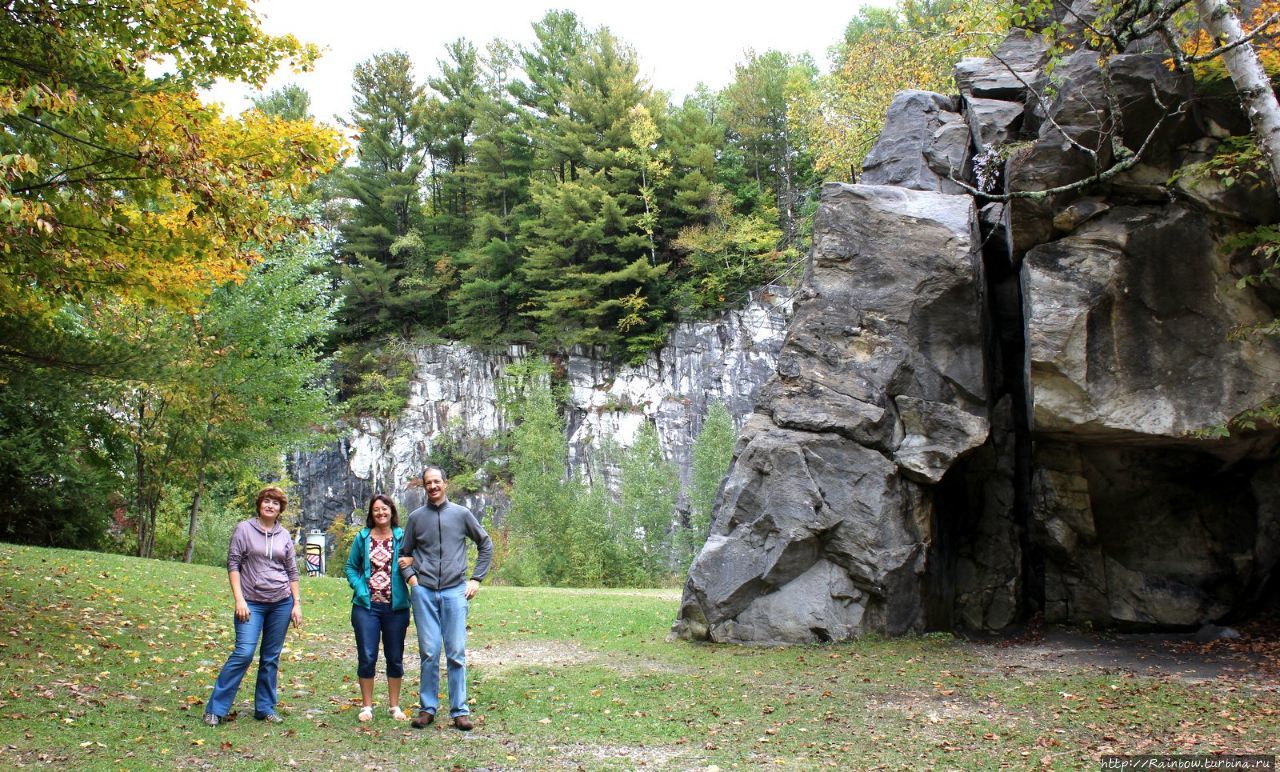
(462,723)
(423,720)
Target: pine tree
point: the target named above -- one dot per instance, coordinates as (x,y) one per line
(391,279)
(454,115)
(590,258)
(754,108)
(550,68)
(724,245)
(712,453)
(696,141)
(290,103)
(389,112)
(646,505)
(542,499)
(490,293)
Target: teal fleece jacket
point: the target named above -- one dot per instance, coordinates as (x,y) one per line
(358,570)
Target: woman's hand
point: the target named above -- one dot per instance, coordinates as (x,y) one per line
(242,608)
(296,614)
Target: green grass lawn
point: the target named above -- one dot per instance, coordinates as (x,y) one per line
(105,663)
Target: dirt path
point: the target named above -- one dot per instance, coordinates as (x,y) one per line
(1253,659)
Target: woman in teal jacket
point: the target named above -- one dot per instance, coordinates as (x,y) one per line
(379,603)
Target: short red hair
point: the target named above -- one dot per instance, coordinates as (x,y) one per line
(274,493)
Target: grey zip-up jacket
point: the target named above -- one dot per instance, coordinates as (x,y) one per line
(436,539)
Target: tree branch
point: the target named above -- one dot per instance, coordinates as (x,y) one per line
(1245,40)
(1044,106)
(1127,160)
(66,181)
(80,140)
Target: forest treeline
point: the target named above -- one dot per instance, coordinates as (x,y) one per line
(547,195)
(185,295)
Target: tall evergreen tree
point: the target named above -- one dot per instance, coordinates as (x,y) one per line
(754,108)
(460,91)
(712,454)
(540,524)
(696,140)
(549,68)
(646,505)
(725,244)
(589,260)
(289,103)
(502,149)
(490,292)
(385,219)
(389,113)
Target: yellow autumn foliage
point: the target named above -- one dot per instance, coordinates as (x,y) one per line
(117,183)
(841,120)
(1267,44)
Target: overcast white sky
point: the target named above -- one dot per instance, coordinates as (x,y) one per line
(679,42)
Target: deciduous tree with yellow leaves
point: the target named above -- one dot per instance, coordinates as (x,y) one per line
(914,45)
(126,204)
(115,182)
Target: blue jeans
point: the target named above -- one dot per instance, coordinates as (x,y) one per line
(370,624)
(268,621)
(441,617)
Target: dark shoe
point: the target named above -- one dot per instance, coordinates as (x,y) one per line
(271,718)
(423,720)
(462,723)
(212,720)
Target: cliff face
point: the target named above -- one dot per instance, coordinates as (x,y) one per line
(455,388)
(986,410)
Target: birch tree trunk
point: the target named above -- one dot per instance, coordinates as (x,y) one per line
(1249,78)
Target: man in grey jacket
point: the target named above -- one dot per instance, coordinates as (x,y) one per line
(433,559)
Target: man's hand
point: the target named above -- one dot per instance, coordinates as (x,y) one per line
(405,563)
(472,588)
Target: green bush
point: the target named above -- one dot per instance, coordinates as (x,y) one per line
(341,533)
(213,534)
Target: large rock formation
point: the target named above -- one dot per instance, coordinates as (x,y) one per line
(824,526)
(963,431)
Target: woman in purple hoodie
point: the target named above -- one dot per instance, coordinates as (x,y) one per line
(264,585)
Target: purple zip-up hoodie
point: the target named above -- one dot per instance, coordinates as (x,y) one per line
(264,559)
